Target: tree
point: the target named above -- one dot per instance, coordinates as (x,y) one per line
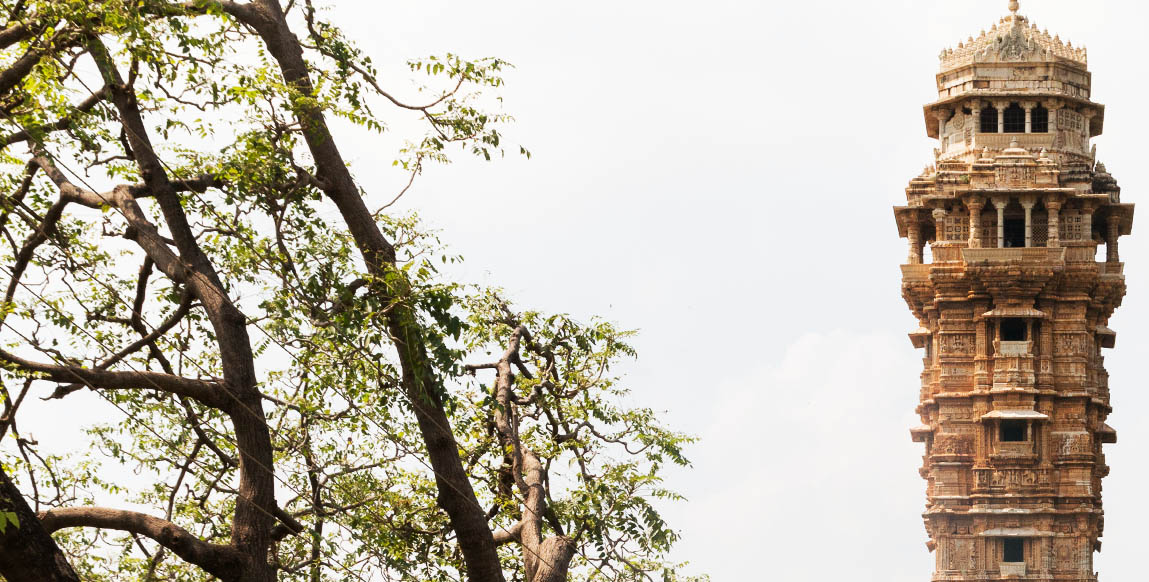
(304,397)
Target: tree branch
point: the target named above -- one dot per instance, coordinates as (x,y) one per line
(147,340)
(506,536)
(221,561)
(63,123)
(206,392)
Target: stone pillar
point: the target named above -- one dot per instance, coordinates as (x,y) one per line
(1054,207)
(1111,235)
(939,216)
(1053,106)
(1088,113)
(1087,220)
(942,115)
(976,109)
(1001,106)
(1028,203)
(1000,204)
(1029,105)
(975,205)
(914,234)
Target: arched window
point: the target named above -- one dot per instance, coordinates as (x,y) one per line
(1014,119)
(989,120)
(1040,120)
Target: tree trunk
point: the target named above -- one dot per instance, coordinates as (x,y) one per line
(419,383)
(27,552)
(555,556)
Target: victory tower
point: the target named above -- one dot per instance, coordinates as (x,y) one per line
(1013,308)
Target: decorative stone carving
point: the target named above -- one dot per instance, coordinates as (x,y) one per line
(946,444)
(1012,480)
(1071,345)
(1017,422)
(1014,46)
(1072,444)
(1016,176)
(958,344)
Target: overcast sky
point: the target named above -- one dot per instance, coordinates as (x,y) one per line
(720,175)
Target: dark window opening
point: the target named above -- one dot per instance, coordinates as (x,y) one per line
(1014,431)
(1040,120)
(1013,330)
(1014,551)
(1014,119)
(1014,233)
(989,120)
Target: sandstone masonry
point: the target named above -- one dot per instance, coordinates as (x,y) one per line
(1013,308)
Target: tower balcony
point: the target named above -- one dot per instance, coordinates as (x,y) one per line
(1023,255)
(950,256)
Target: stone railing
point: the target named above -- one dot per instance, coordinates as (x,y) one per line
(1016,349)
(916,273)
(1013,568)
(946,252)
(1031,254)
(1111,268)
(1080,252)
(1000,141)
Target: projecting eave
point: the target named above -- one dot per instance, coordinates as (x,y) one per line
(1014,311)
(1015,532)
(919,434)
(1125,211)
(902,219)
(1026,189)
(1108,434)
(1096,127)
(1015,415)
(920,337)
(1106,337)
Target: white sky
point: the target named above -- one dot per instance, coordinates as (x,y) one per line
(720,175)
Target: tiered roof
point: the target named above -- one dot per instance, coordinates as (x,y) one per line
(1013,39)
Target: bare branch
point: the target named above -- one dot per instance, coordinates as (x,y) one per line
(221,561)
(506,536)
(209,393)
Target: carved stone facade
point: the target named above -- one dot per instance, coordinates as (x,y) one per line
(1013,309)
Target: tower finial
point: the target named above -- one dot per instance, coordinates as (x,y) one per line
(1014,6)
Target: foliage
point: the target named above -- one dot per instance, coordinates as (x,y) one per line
(349,458)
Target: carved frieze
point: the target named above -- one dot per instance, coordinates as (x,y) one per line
(1070,444)
(1016,176)
(1071,344)
(958,344)
(953,444)
(1012,480)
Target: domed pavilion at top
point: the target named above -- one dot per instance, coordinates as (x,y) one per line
(1014,83)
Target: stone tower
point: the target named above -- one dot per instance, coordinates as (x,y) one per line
(1013,308)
